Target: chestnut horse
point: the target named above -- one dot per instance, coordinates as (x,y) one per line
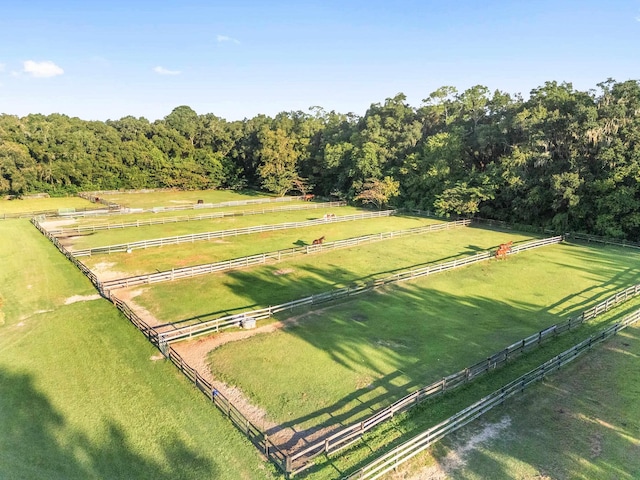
(318,241)
(503,249)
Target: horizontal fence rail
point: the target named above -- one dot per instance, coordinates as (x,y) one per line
(191,206)
(81,266)
(257,436)
(419,443)
(604,240)
(191,218)
(263,258)
(204,327)
(54,213)
(348,435)
(159,242)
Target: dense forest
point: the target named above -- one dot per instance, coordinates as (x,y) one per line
(563,158)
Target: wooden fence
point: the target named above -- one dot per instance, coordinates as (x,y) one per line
(190,218)
(159,242)
(55,213)
(346,436)
(81,266)
(417,444)
(257,436)
(217,324)
(604,240)
(263,258)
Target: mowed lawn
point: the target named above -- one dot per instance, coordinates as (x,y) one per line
(150,260)
(81,396)
(26,205)
(346,360)
(148,232)
(179,197)
(284,281)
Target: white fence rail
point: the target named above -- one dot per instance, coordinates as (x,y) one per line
(204,327)
(263,258)
(190,218)
(347,435)
(419,443)
(159,242)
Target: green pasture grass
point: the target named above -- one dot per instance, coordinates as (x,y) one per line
(523,449)
(135,234)
(284,281)
(80,396)
(349,359)
(181,197)
(581,423)
(119,218)
(150,260)
(26,205)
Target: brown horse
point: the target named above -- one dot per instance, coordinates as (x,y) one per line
(503,249)
(308,197)
(318,241)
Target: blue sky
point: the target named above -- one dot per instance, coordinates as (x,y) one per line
(236,59)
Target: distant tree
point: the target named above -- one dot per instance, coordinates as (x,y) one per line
(378,192)
(278,161)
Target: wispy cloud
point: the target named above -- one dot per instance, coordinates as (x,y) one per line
(224,38)
(44,69)
(165,71)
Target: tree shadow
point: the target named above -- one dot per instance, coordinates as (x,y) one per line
(37,442)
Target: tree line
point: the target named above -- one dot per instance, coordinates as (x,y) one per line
(563,158)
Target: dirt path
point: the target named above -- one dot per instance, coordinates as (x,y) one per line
(195,353)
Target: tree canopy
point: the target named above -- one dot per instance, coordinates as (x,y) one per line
(563,158)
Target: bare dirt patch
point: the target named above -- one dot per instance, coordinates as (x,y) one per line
(51,224)
(195,353)
(127,296)
(82,298)
(283,271)
(103,271)
(456,458)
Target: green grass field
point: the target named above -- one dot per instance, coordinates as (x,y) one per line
(178,197)
(27,205)
(80,397)
(263,286)
(147,232)
(185,254)
(118,218)
(570,427)
(352,358)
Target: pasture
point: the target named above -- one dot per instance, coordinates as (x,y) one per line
(300,374)
(134,234)
(164,198)
(83,394)
(27,205)
(142,261)
(259,287)
(350,359)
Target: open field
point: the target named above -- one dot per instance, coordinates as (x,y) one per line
(570,426)
(142,261)
(147,232)
(350,359)
(481,434)
(220,294)
(27,205)
(81,394)
(179,197)
(314,368)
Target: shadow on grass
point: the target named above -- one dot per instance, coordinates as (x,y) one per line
(37,442)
